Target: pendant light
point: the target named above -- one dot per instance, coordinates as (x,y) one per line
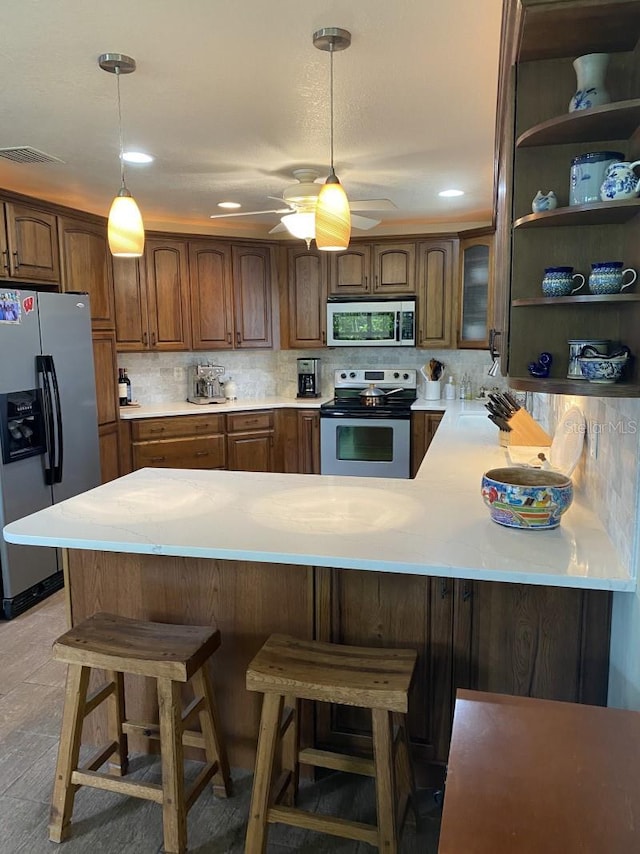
(125,227)
(333,217)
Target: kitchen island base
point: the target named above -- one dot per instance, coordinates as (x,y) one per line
(529,640)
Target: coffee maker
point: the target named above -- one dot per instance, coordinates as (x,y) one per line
(204,384)
(308,378)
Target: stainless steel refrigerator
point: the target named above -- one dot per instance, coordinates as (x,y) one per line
(48,427)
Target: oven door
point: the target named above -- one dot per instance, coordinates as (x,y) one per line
(365,447)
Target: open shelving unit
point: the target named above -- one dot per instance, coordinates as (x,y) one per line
(546,137)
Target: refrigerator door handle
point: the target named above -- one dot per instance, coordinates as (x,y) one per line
(42,368)
(57,472)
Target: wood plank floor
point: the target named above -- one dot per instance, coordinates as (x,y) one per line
(31,692)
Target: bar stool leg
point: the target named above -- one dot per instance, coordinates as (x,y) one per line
(118,764)
(385,788)
(404,769)
(290,750)
(68,751)
(267,740)
(174,818)
(210,726)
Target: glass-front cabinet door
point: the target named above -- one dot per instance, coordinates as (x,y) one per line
(476,291)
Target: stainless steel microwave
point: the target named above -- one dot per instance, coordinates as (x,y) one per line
(375,323)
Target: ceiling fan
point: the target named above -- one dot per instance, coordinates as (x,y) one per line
(301,201)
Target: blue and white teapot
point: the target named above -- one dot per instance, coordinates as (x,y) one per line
(620,182)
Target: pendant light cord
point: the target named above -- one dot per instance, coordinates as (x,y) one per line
(331,104)
(117,71)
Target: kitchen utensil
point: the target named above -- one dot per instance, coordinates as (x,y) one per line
(501,410)
(374,396)
(514,403)
(528,498)
(500,422)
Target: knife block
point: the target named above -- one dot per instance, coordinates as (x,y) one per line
(524,431)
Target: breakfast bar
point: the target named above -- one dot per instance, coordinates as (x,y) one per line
(371,562)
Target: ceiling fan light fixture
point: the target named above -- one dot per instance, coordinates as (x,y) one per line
(125,229)
(301,225)
(333,217)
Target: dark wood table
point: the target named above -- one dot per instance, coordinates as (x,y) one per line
(532,776)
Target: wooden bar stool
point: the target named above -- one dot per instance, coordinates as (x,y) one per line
(170,655)
(378,679)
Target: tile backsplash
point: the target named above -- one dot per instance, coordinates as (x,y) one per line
(162,377)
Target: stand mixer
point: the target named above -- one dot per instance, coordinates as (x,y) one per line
(204,384)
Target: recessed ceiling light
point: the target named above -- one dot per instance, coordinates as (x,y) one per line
(229,205)
(449,194)
(136,157)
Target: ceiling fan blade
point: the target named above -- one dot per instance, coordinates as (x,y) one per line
(251,213)
(372,205)
(363,222)
(279,227)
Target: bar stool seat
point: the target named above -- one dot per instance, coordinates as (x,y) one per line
(291,670)
(171,655)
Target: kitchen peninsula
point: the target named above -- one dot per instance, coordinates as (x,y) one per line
(375,561)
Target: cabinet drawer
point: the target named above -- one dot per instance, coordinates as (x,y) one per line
(243,422)
(168,428)
(202,452)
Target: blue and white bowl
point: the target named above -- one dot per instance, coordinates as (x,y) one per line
(603,369)
(528,498)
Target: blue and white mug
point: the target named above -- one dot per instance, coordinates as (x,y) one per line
(607,277)
(558,281)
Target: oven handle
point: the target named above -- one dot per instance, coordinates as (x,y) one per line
(398,316)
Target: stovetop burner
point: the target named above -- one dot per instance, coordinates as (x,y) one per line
(350,382)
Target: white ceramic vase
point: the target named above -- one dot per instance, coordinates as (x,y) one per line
(590,71)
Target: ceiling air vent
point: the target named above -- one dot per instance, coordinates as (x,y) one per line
(26,154)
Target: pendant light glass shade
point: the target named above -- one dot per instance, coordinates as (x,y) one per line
(333,217)
(125,229)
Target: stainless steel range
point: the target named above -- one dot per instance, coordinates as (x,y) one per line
(365,430)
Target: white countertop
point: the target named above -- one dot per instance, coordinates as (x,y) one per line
(434,525)
(183,407)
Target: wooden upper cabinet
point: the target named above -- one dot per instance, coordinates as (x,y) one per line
(394,268)
(475,291)
(29,244)
(435,292)
(167,272)
(130,294)
(252,296)
(211,296)
(350,272)
(105,368)
(307,296)
(86,266)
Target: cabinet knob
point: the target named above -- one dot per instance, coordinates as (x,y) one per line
(5,258)
(145,338)
(158,459)
(238,338)
(16,259)
(228,338)
(201,453)
(153,339)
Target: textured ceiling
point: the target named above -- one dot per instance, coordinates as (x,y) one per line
(230,96)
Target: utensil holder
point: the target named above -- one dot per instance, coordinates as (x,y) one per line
(524,431)
(432,390)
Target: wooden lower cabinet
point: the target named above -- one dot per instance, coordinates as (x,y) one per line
(109,451)
(250,441)
(190,442)
(423,428)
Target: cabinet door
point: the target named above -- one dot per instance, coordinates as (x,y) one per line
(388,610)
(533,641)
(32,244)
(109,452)
(394,268)
(192,452)
(423,428)
(105,367)
(349,272)
(308,441)
(250,452)
(167,271)
(476,291)
(435,293)
(307,298)
(86,266)
(211,297)
(252,296)
(130,295)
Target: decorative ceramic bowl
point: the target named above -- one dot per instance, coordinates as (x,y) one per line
(529,498)
(603,369)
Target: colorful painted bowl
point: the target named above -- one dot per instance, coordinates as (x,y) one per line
(528,498)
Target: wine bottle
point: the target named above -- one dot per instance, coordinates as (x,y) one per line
(127,382)
(122,388)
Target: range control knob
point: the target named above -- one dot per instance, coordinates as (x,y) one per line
(405,376)
(352,375)
(343,376)
(396,375)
